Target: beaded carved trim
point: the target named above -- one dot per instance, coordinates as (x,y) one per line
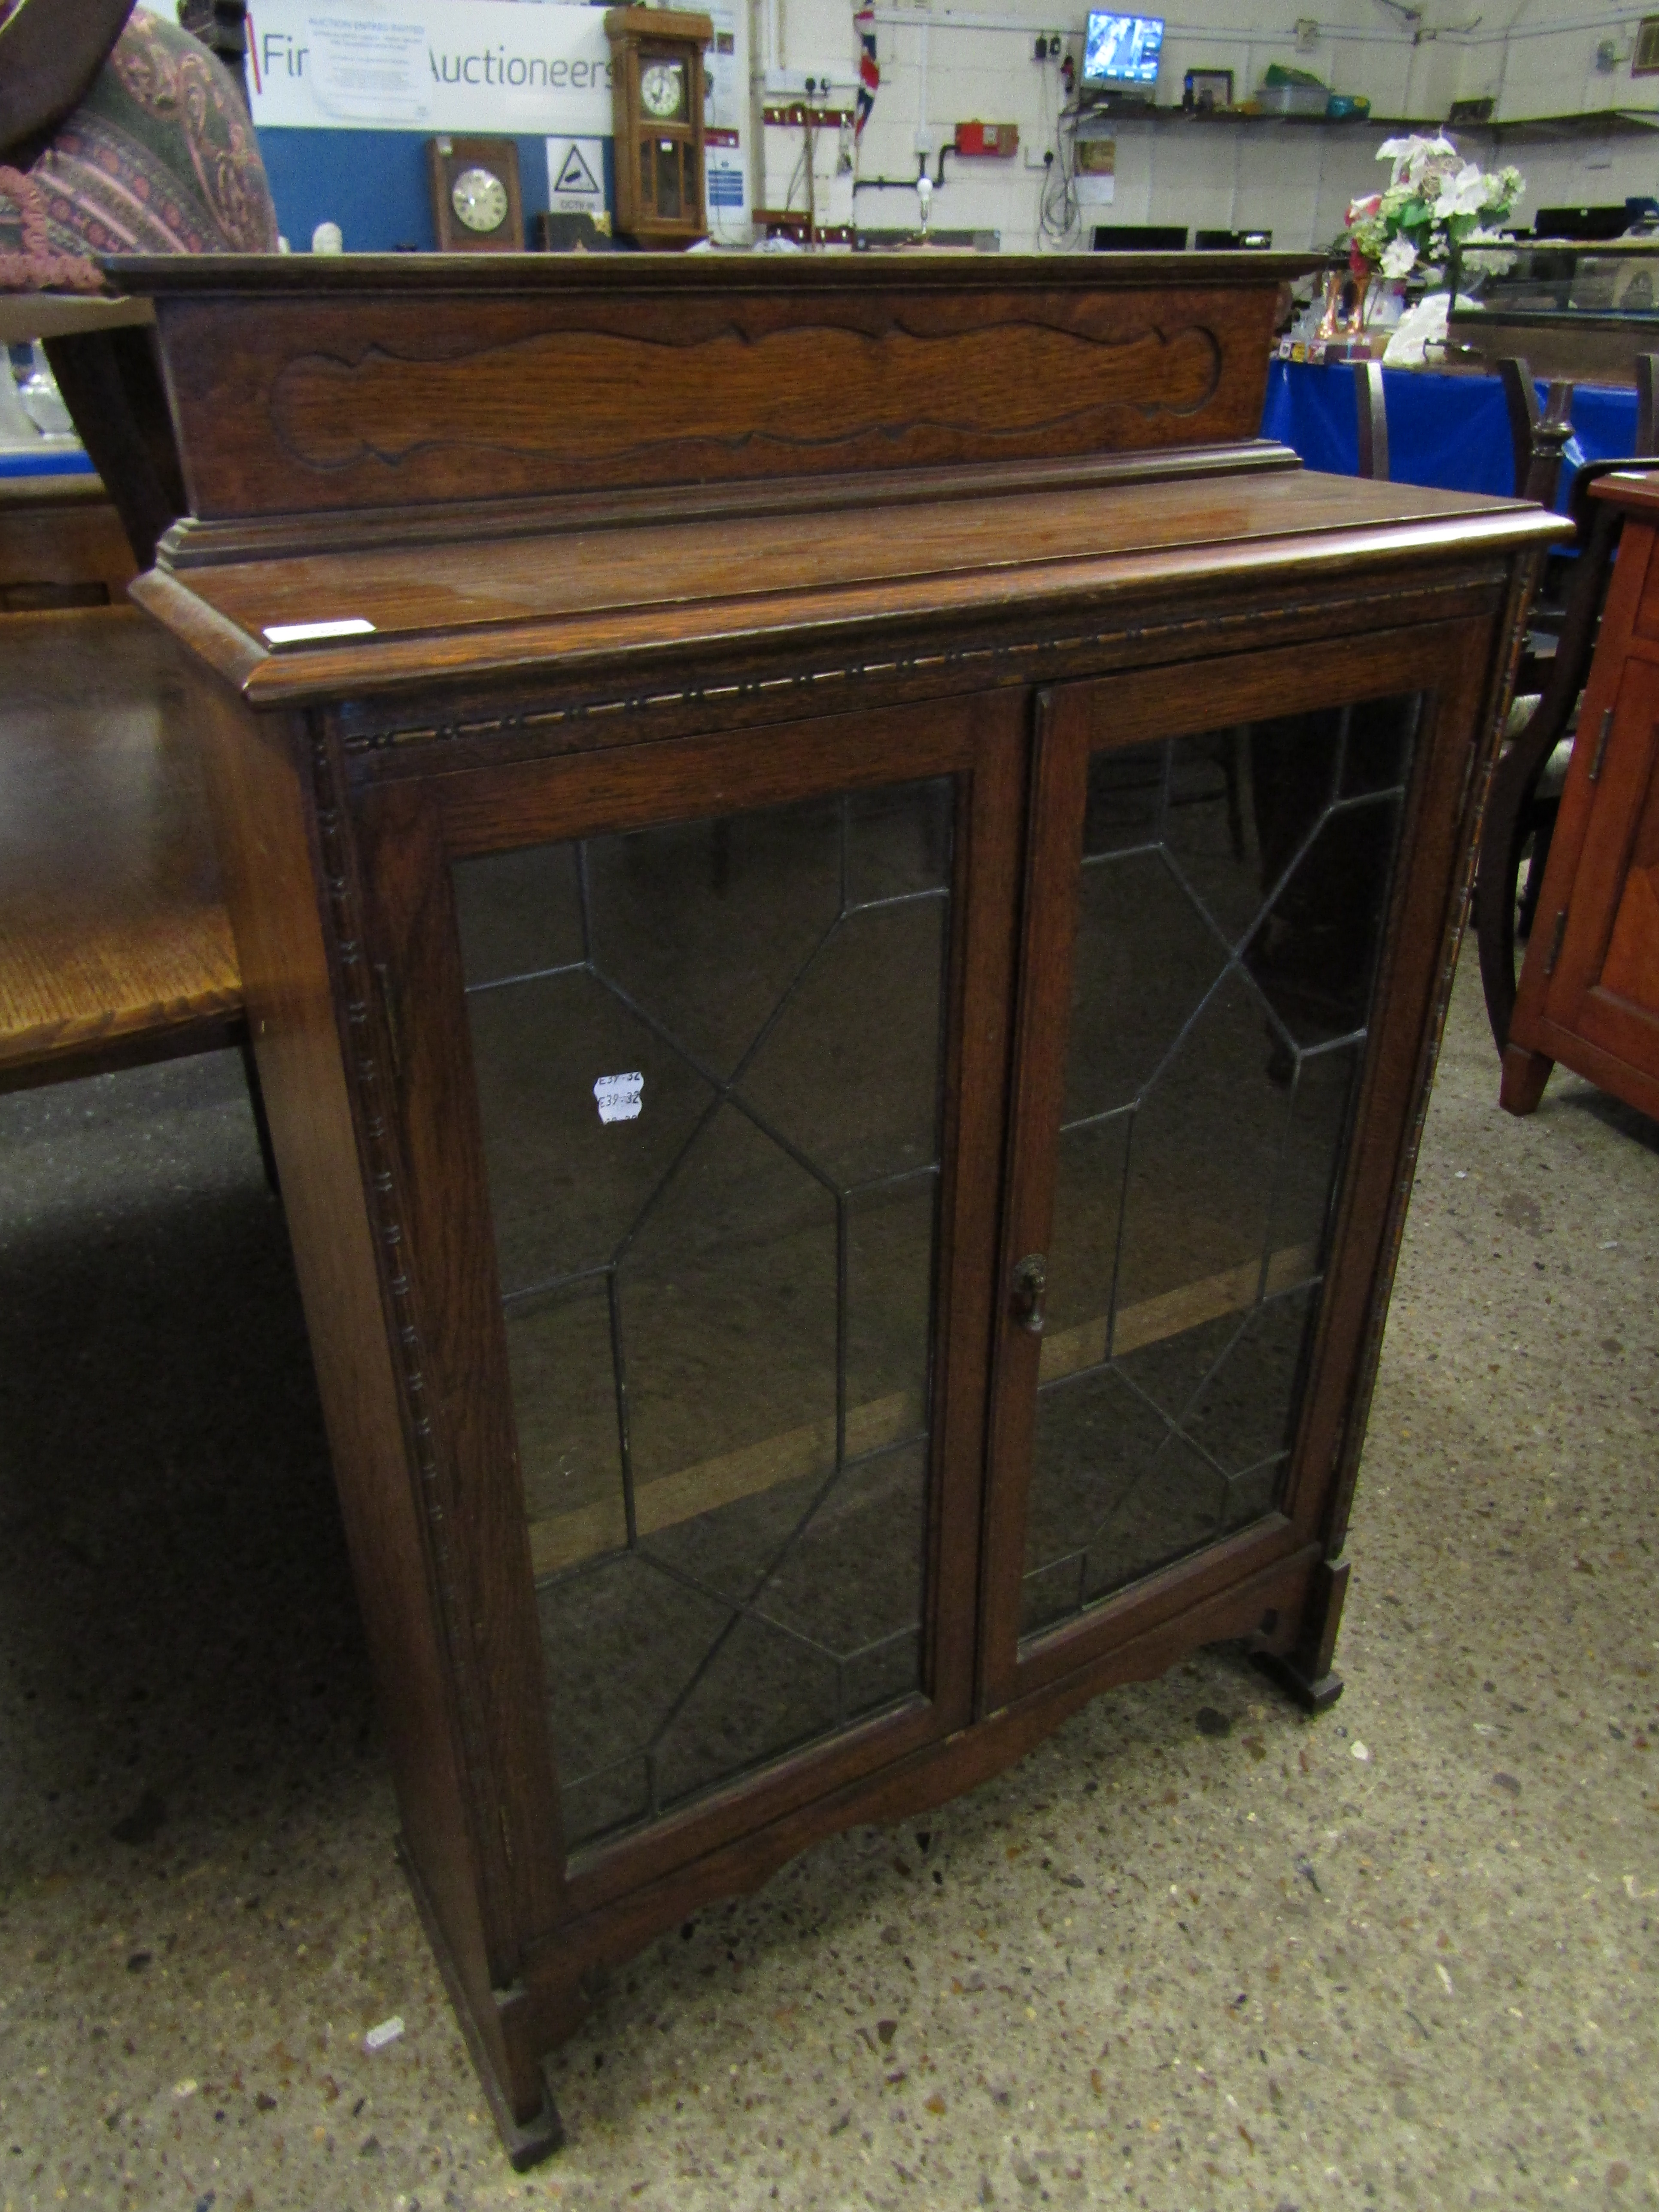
(946,662)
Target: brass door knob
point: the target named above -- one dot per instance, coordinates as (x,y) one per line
(1030,1290)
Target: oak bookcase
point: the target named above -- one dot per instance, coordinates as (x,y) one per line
(845,953)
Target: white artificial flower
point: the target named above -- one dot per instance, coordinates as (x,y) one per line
(1414,149)
(1412,156)
(1496,263)
(1464,194)
(1419,327)
(1399,258)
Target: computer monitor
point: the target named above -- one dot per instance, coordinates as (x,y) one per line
(1140,238)
(1581,222)
(1121,51)
(1232,241)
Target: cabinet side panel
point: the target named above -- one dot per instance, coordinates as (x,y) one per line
(443,1205)
(1550,989)
(1436,893)
(266,834)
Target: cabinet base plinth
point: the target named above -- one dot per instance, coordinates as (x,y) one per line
(527,2146)
(528,2139)
(1305,1671)
(1315,1694)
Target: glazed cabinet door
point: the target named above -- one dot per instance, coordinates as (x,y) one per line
(1237,896)
(700,1047)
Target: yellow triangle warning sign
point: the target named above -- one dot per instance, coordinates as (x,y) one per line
(576,176)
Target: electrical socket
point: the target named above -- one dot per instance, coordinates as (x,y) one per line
(1036,156)
(827,81)
(927,139)
(1307,35)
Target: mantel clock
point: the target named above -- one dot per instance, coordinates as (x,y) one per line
(476,206)
(657,91)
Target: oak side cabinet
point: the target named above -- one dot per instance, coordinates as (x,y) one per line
(1589,992)
(845,887)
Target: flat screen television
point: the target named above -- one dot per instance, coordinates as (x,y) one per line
(1581,222)
(1122,50)
(1139,238)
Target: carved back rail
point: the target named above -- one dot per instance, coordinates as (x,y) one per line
(377,383)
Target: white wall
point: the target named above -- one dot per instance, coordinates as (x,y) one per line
(1539,57)
(941,65)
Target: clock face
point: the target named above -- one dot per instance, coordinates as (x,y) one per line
(479,199)
(662,90)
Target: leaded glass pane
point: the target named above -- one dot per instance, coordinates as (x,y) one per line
(1083,1242)
(727,1286)
(709,1064)
(1235,885)
(520,914)
(849,1073)
(752,898)
(1127,1010)
(559,1353)
(889,1311)
(897,842)
(565,1187)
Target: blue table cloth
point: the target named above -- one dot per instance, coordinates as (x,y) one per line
(1452,431)
(56,461)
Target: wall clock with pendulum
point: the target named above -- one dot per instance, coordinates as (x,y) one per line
(657,85)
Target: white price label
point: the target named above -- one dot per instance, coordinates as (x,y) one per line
(617,1096)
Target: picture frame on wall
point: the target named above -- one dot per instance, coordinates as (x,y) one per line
(1205,90)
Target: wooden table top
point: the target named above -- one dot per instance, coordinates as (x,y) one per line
(113,943)
(26,315)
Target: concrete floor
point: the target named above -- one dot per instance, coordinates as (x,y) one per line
(1196,1952)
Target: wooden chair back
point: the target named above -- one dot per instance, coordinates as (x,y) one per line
(1372,412)
(1647,405)
(1537,437)
(221,25)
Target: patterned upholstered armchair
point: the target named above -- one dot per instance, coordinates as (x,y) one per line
(119,133)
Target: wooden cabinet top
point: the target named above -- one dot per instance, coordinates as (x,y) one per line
(638,594)
(264,276)
(487,466)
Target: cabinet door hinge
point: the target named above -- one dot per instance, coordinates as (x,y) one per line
(1601,736)
(1557,935)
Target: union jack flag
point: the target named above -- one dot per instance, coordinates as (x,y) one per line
(869,69)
